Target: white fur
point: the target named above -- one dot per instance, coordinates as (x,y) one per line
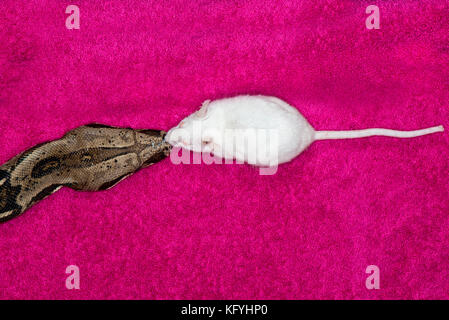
(219,124)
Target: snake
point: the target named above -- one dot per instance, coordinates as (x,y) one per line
(92,157)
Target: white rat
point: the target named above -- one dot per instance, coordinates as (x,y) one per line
(218,126)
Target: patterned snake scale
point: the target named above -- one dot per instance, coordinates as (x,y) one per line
(89,158)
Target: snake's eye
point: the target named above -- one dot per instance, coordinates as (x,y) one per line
(86,157)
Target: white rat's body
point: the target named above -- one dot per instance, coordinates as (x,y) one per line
(217,126)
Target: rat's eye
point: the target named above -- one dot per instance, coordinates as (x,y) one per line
(205,142)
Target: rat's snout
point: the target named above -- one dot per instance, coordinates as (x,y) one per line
(174,137)
(169,136)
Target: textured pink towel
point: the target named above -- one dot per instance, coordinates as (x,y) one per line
(224,231)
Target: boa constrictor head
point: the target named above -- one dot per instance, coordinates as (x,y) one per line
(89,158)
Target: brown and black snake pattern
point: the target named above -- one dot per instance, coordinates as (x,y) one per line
(89,158)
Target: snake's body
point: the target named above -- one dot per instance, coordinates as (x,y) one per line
(90,158)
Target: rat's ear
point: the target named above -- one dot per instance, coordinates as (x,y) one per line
(204,108)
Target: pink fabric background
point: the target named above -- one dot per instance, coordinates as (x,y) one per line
(224,231)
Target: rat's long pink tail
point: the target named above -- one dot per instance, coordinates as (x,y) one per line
(351,134)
